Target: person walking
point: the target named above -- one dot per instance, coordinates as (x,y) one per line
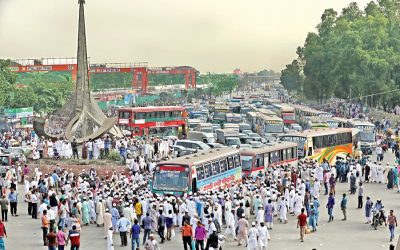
(343,207)
(51,240)
(253,237)
(392,222)
(123,225)
(161,226)
(368,210)
(200,235)
(146,224)
(3,234)
(263,236)
(110,241)
(151,243)
(302,223)
(360,195)
(60,238)
(45,226)
(187,235)
(134,235)
(13,198)
(243,225)
(4,208)
(34,201)
(107,218)
(75,237)
(330,205)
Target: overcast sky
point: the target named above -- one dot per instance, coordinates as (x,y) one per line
(210,35)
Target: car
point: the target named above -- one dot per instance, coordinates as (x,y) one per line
(245,146)
(254,136)
(257,144)
(216,145)
(247,132)
(192,144)
(182,151)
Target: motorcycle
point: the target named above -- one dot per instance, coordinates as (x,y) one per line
(378,218)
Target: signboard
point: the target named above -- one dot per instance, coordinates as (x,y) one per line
(105,70)
(142,121)
(39,68)
(19,112)
(13,68)
(123,121)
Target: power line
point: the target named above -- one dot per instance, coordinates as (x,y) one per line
(355,98)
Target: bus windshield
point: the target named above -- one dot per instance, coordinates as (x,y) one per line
(273,128)
(367,136)
(288,116)
(247,162)
(170,180)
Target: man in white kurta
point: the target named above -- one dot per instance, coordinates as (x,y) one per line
(253,237)
(99,213)
(230,224)
(263,237)
(282,206)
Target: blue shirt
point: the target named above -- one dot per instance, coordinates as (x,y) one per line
(135,231)
(146,222)
(12,197)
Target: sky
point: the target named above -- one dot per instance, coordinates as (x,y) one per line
(209,35)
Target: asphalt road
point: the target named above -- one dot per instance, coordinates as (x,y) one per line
(25,233)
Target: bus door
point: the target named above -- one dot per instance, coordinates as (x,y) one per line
(266,162)
(310,147)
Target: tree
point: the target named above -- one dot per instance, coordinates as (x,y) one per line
(292,76)
(351,55)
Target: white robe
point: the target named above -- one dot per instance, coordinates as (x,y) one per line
(253,235)
(263,237)
(110,243)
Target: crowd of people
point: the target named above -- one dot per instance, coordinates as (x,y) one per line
(66,202)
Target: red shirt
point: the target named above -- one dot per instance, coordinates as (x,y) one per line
(75,238)
(2,230)
(302,220)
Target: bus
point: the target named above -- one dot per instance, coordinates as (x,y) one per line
(302,111)
(233,118)
(286,112)
(314,123)
(199,114)
(366,135)
(153,121)
(193,123)
(251,118)
(220,112)
(255,160)
(269,125)
(337,122)
(204,127)
(203,171)
(322,144)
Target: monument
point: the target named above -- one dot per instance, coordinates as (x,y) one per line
(79,118)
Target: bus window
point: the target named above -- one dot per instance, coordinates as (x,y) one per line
(207,170)
(237,161)
(230,163)
(223,165)
(259,161)
(124,115)
(284,155)
(289,153)
(200,172)
(216,168)
(266,160)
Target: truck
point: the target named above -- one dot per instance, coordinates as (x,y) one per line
(228,137)
(201,136)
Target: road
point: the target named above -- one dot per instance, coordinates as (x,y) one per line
(25,233)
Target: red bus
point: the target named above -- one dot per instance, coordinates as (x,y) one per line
(153,121)
(255,160)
